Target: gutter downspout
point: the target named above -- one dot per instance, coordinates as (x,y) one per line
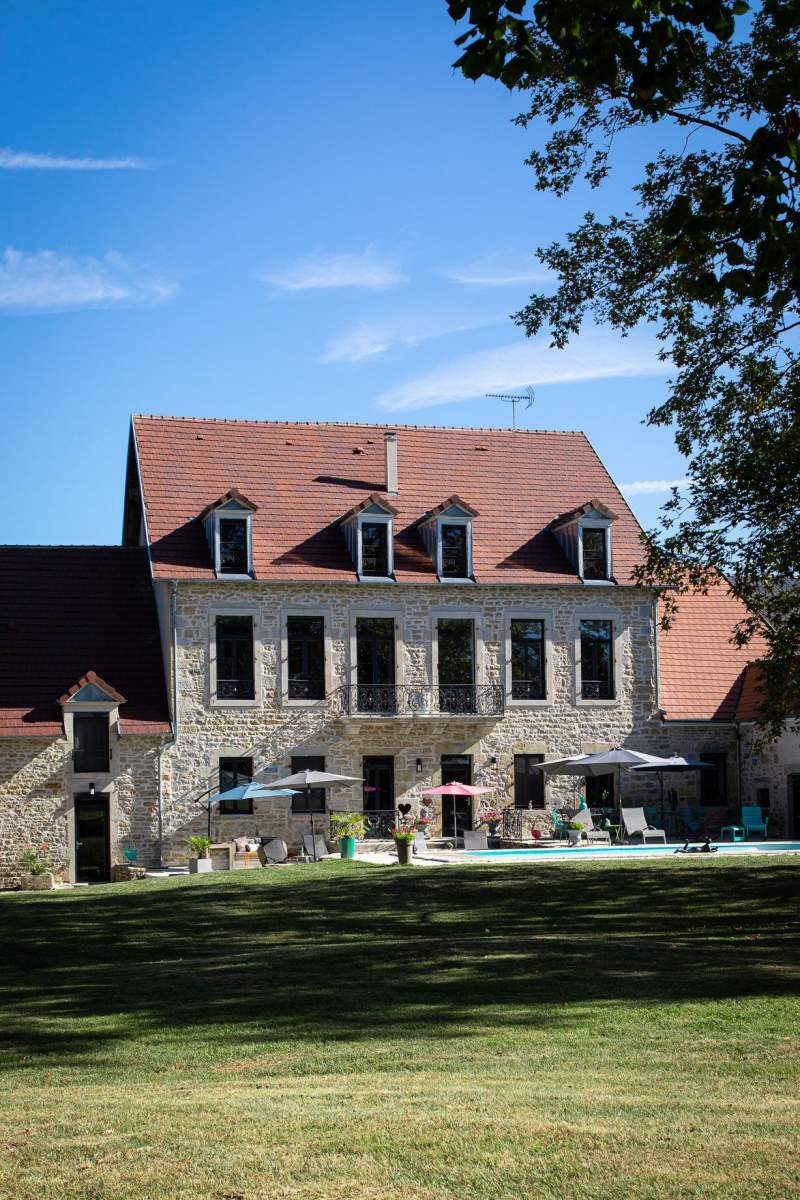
(656,658)
(172,739)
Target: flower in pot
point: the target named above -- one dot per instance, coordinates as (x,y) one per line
(574,831)
(423,823)
(200,864)
(37,869)
(491,817)
(347,827)
(404,841)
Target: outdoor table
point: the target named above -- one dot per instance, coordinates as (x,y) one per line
(738,833)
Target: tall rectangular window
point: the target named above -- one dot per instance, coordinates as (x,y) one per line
(527,660)
(714,784)
(233,548)
(233,773)
(375,660)
(597,660)
(314,800)
(305,640)
(90,742)
(455,558)
(595,553)
(235,660)
(375,549)
(456,641)
(528,782)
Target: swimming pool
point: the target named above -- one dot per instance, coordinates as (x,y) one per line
(619,852)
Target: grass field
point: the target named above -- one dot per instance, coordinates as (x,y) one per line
(351,1032)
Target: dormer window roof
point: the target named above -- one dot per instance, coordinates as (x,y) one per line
(447,533)
(228,523)
(91,689)
(584,535)
(369,532)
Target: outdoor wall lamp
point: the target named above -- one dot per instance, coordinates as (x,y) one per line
(493,761)
(419,766)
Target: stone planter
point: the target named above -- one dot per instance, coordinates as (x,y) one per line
(38,883)
(200,866)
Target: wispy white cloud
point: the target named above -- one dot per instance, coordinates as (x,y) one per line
(368,339)
(48,281)
(647,487)
(594,355)
(497,270)
(25,160)
(366,270)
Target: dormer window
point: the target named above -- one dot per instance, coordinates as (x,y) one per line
(584,535)
(369,533)
(229,529)
(91,710)
(447,533)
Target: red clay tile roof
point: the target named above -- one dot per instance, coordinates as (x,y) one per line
(68,610)
(305,476)
(91,677)
(702,674)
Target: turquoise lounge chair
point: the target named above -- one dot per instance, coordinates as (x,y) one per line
(560,827)
(753,820)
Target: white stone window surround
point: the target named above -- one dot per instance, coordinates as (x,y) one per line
(90,708)
(596,523)
(388,612)
(230,512)
(304,610)
(527,613)
(456,612)
(235,610)
(466,522)
(600,612)
(374,518)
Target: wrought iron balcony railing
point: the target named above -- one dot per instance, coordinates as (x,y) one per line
(235,689)
(597,689)
(409,700)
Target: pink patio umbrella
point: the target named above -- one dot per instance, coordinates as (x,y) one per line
(456,789)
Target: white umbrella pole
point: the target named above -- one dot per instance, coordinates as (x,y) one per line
(311,814)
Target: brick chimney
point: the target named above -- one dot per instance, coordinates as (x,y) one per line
(390,447)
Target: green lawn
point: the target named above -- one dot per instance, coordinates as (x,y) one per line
(356,1033)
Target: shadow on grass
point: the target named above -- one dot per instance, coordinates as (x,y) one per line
(288,953)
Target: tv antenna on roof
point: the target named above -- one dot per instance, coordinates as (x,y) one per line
(527,400)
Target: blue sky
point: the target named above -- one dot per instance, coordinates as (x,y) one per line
(225,210)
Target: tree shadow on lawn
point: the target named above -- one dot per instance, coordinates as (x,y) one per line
(290,953)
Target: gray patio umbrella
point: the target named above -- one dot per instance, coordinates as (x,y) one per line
(305,781)
(676,763)
(603,762)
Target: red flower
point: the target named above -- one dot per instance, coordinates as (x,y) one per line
(44,847)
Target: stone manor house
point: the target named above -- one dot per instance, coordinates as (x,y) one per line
(408,606)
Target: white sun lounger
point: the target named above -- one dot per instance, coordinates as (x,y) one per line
(475,839)
(635,824)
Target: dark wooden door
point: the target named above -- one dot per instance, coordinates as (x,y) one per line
(456,810)
(92,850)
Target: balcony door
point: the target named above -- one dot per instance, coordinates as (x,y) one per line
(375,665)
(456,810)
(456,643)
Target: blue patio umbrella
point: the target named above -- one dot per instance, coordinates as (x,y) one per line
(246,791)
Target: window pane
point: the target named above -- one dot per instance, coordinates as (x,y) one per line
(597,660)
(527,660)
(376,691)
(528,782)
(456,665)
(454,551)
(314,801)
(90,742)
(713,784)
(233,547)
(379,784)
(235,680)
(233,772)
(375,548)
(595,563)
(305,638)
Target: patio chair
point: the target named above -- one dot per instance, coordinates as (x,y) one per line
(635,823)
(420,843)
(560,826)
(690,823)
(753,820)
(315,847)
(584,817)
(475,839)
(272,852)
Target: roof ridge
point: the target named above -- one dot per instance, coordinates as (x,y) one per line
(69,546)
(388,425)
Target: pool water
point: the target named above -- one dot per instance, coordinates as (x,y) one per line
(632,851)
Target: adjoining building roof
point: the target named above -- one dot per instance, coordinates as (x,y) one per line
(303,477)
(69,613)
(702,673)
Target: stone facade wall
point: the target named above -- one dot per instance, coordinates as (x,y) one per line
(272,730)
(772,772)
(37,789)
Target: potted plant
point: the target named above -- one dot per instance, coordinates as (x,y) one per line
(37,870)
(404,841)
(574,831)
(347,827)
(423,823)
(491,817)
(201,863)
